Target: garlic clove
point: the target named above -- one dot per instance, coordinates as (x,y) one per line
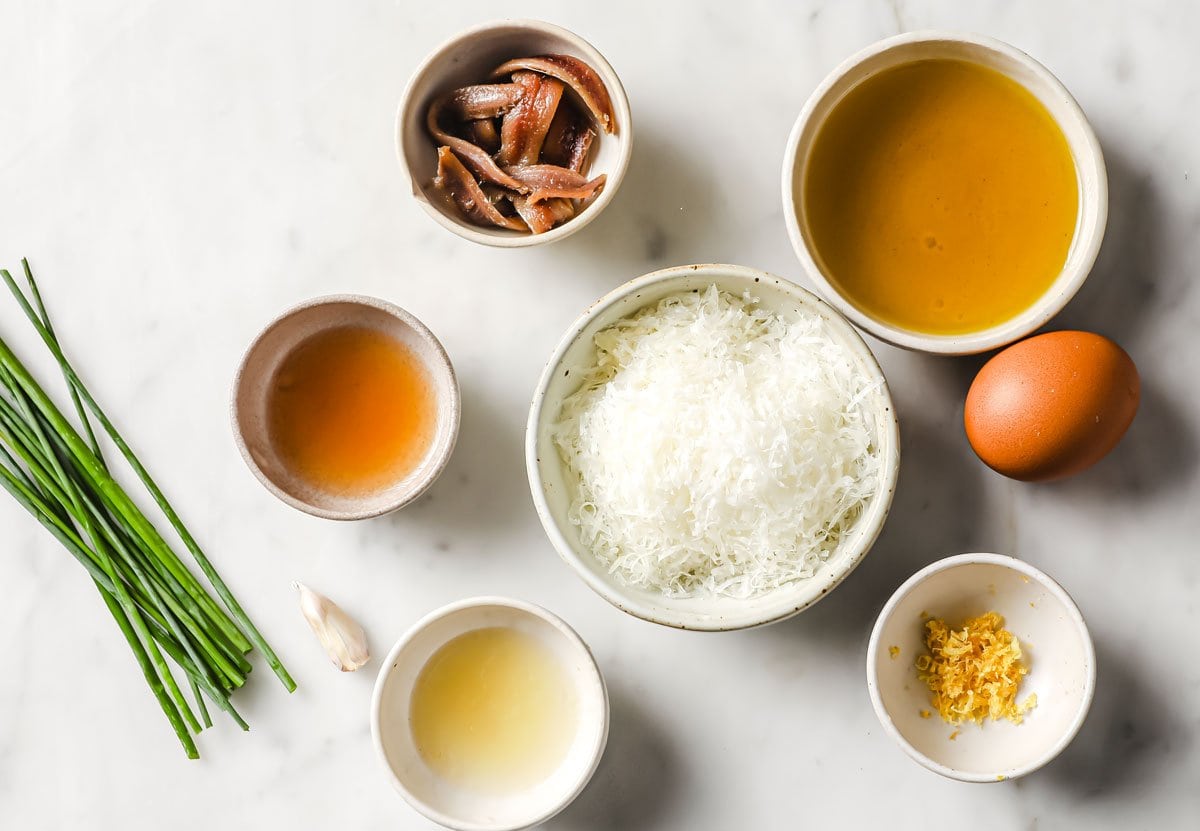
(343,639)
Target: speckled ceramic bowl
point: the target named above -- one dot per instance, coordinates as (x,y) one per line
(1085,149)
(548,477)
(467,58)
(1053,636)
(252,385)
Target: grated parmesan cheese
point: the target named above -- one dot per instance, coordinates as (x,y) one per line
(717,448)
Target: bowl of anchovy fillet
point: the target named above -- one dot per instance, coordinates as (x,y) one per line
(514,133)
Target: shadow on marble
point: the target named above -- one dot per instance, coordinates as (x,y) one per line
(637,778)
(1160,451)
(1126,739)
(1158,454)
(937,511)
(482,491)
(662,214)
(1126,279)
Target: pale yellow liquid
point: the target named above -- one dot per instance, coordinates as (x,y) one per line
(494,711)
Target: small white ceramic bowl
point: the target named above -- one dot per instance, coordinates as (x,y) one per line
(441,801)
(251,391)
(468,58)
(1089,168)
(1054,639)
(548,474)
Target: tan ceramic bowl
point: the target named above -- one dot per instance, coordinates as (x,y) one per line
(467,58)
(276,342)
(1089,170)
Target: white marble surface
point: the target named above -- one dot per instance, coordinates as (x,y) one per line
(179,172)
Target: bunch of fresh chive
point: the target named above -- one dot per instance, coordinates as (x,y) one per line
(162,608)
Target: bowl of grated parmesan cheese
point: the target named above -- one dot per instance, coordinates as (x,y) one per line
(712,447)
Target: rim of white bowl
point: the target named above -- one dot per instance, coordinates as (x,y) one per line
(1086,154)
(1054,588)
(449,429)
(577,644)
(623,138)
(877,513)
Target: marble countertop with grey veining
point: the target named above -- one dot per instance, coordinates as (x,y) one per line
(180,172)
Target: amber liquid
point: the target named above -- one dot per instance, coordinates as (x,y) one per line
(941,197)
(351,411)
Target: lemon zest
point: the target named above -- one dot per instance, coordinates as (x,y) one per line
(974,672)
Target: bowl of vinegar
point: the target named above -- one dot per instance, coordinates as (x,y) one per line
(346,407)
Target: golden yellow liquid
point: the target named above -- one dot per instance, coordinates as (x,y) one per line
(351,410)
(941,197)
(493,710)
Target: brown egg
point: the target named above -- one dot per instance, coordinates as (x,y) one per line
(1052,405)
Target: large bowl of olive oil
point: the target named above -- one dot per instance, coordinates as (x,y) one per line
(945,192)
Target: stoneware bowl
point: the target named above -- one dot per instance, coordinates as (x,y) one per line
(441,801)
(468,58)
(252,386)
(548,477)
(1089,168)
(1054,640)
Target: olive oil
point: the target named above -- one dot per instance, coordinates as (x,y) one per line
(351,410)
(941,197)
(493,710)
